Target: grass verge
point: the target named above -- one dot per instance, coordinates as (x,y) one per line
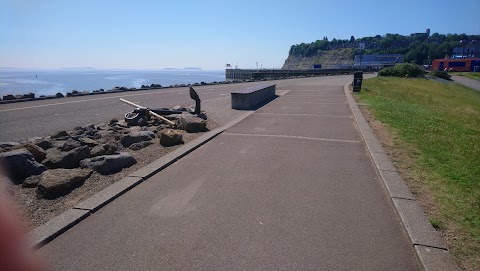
(437,127)
(471,75)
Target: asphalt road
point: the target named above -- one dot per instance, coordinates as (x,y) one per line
(41,118)
(289,188)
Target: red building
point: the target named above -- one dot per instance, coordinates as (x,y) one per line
(456,64)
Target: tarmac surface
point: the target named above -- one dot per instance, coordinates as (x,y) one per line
(291,187)
(24,120)
(475,84)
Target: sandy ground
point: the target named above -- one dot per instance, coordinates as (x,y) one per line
(38,211)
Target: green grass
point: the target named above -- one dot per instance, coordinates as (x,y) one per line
(471,75)
(439,125)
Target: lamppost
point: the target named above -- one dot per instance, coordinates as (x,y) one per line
(360,52)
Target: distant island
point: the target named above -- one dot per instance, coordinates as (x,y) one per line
(9,68)
(79,68)
(192,68)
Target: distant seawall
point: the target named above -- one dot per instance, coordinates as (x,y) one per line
(254,74)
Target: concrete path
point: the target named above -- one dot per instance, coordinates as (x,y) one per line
(42,118)
(475,84)
(291,187)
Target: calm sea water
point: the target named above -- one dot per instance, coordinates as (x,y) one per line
(49,82)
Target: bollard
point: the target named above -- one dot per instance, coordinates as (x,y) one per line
(357,81)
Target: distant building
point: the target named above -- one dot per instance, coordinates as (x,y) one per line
(424,35)
(471,50)
(456,64)
(377,60)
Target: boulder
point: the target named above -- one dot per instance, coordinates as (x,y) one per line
(107,135)
(59,182)
(135,137)
(140,145)
(75,132)
(38,153)
(8,97)
(102,127)
(4,145)
(85,141)
(20,164)
(58,144)
(31,181)
(170,137)
(59,134)
(70,145)
(70,159)
(108,148)
(89,127)
(97,151)
(29,95)
(42,143)
(109,164)
(113,121)
(191,123)
(59,95)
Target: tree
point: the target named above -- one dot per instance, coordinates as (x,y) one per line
(352,39)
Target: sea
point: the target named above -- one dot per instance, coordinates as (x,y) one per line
(50,82)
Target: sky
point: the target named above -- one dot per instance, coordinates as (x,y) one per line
(139,34)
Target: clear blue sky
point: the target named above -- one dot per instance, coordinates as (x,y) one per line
(207,34)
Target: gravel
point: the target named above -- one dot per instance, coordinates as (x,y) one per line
(38,211)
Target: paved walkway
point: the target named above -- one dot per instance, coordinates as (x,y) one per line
(291,187)
(475,84)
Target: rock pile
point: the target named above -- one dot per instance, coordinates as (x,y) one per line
(57,164)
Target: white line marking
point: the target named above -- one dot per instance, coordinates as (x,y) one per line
(296,137)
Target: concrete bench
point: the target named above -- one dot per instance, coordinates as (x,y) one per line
(252,96)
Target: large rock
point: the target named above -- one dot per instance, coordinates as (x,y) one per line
(191,123)
(20,164)
(59,134)
(29,95)
(70,144)
(38,153)
(8,97)
(97,151)
(59,182)
(107,148)
(170,137)
(42,143)
(31,181)
(4,145)
(85,141)
(70,159)
(135,137)
(109,164)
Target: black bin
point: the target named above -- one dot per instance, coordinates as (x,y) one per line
(357,81)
